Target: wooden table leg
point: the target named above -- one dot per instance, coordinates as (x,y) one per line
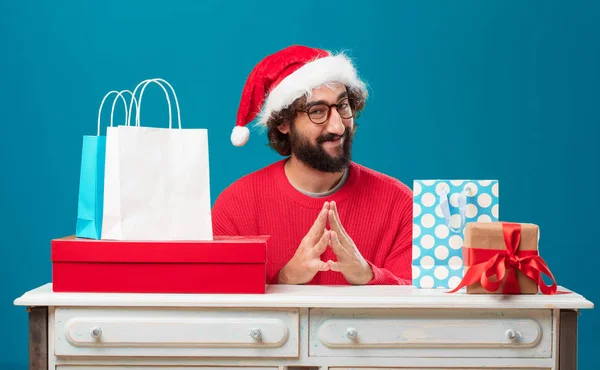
(38,338)
(567,345)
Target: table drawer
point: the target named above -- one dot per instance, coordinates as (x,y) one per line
(135,367)
(436,368)
(430,333)
(176,332)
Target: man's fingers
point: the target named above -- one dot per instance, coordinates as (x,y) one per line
(323,242)
(336,224)
(333,222)
(335,244)
(318,265)
(333,265)
(319,224)
(333,206)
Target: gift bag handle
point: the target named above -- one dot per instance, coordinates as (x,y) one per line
(139,103)
(119,95)
(127,112)
(462,207)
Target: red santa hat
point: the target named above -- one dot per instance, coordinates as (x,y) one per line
(282,77)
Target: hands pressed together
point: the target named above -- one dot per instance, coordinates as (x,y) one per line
(306,262)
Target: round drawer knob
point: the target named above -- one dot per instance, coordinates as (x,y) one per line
(352,333)
(96,332)
(256,334)
(511,334)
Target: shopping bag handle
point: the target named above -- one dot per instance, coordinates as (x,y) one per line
(462,207)
(127,112)
(157,81)
(112,112)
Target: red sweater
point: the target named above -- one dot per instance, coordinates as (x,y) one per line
(375,210)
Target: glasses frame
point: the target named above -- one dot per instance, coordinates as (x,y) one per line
(329,106)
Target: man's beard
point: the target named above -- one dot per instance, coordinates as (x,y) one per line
(316,157)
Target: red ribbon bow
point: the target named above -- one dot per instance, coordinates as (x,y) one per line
(486,263)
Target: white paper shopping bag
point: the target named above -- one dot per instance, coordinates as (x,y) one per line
(111,221)
(157,184)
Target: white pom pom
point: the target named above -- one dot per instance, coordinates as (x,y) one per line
(240,135)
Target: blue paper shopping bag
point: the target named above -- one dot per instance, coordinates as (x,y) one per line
(441,208)
(91,177)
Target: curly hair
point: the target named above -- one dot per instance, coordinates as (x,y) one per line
(280,142)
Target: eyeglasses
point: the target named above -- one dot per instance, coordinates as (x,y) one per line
(319,113)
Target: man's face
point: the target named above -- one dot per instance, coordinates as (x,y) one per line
(327,146)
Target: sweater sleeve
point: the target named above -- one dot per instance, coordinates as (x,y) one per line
(394,270)
(223,215)
(397,268)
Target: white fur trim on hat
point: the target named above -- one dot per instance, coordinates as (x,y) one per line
(240,135)
(337,68)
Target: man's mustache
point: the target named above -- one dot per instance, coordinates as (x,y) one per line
(331,137)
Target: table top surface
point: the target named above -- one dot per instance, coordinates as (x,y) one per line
(312,296)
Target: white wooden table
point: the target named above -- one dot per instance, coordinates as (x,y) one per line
(335,327)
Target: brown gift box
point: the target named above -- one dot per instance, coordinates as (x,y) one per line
(489,235)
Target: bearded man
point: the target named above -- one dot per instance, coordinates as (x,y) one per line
(331,220)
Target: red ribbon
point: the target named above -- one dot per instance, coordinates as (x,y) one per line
(486,263)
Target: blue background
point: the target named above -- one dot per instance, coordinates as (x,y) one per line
(472,89)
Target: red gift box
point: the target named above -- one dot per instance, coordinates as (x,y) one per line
(223,265)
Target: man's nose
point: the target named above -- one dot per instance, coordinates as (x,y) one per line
(335,125)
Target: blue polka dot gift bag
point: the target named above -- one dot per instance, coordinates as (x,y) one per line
(441,208)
